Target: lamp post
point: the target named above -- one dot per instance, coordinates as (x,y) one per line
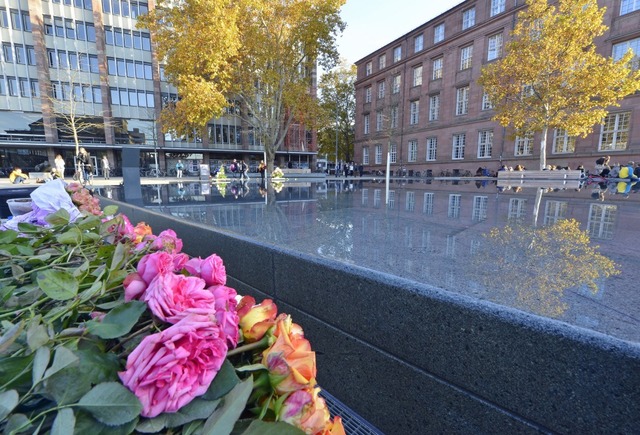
(335,166)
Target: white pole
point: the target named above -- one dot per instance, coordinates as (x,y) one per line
(388,176)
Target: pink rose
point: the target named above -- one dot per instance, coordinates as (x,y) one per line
(152,265)
(134,286)
(169,369)
(226,313)
(167,241)
(212,270)
(179,261)
(169,296)
(193,266)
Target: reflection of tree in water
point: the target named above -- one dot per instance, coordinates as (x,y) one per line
(532,267)
(274,223)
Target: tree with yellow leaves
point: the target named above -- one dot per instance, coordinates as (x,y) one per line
(552,77)
(262,53)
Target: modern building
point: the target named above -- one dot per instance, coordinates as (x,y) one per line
(417,98)
(85,59)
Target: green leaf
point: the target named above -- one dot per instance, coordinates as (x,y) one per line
(39,259)
(27,251)
(153,425)
(110,210)
(9,337)
(259,427)
(26,228)
(17,423)
(8,236)
(118,321)
(59,218)
(68,385)
(97,365)
(92,291)
(16,271)
(36,334)
(15,371)
(116,277)
(118,257)
(89,222)
(85,424)
(58,284)
(198,409)
(71,237)
(65,422)
(8,401)
(111,403)
(40,363)
(223,419)
(62,358)
(224,382)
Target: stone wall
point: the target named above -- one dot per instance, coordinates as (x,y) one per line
(413,359)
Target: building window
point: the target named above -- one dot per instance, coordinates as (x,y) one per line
(621,49)
(437,68)
(21,54)
(427,206)
(454,206)
(393,152)
(70,30)
(554,211)
(458,146)
(394,117)
(12,86)
(417,75)
(602,219)
(381,89)
(379,120)
(413,150)
(7,52)
(366,124)
(367,94)
(466,57)
(4,19)
(497,6)
(432,147)
(524,145)
(485,143)
(614,133)
(397,54)
(438,33)
(468,18)
(367,69)
(486,102)
(382,61)
(628,6)
(434,107)
(480,206)
(414,109)
(35,88)
(462,100)
(562,142)
(25,88)
(516,209)
(93,64)
(396,84)
(16,22)
(418,43)
(494,45)
(378,154)
(365,155)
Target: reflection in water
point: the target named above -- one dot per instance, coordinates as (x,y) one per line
(532,267)
(467,238)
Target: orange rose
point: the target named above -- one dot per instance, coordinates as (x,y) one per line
(255,320)
(290,360)
(334,427)
(306,410)
(141,230)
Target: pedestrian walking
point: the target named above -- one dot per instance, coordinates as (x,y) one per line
(262,168)
(179,169)
(59,164)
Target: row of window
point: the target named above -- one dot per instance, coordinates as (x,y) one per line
(18,53)
(85,4)
(131,97)
(613,137)
(461,108)
(126,38)
(19,87)
(129,68)
(71,60)
(19,19)
(494,51)
(71,29)
(469,20)
(125,8)
(79,92)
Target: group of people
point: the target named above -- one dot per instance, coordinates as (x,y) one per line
(349,168)
(239,167)
(604,168)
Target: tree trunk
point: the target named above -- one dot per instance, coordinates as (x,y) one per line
(543,149)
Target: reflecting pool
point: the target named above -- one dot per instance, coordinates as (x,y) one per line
(567,253)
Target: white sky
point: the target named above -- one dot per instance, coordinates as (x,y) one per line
(372,24)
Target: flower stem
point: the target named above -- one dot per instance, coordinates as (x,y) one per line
(262,344)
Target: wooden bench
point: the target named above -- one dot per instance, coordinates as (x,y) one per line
(557,178)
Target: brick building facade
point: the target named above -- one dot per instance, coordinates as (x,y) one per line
(417,98)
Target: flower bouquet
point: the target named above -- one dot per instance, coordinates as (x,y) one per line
(108,328)
(277,173)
